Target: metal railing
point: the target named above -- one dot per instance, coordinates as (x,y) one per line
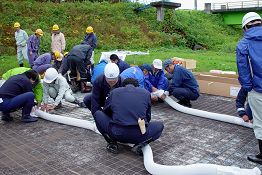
(237,5)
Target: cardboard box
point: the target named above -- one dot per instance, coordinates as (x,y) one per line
(187,63)
(218,84)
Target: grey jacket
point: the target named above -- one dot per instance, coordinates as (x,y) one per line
(61,86)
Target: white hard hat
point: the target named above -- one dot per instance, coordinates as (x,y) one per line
(157,63)
(50,75)
(250,16)
(111,71)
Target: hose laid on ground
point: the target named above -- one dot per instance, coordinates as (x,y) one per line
(67,120)
(204,114)
(150,165)
(194,169)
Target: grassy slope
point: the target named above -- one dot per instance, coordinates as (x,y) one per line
(118,27)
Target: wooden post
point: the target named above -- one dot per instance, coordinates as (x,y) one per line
(160,13)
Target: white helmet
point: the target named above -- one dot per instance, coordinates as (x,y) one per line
(250,16)
(157,63)
(111,71)
(50,75)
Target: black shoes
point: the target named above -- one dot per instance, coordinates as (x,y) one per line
(77,102)
(6,117)
(82,105)
(112,144)
(185,103)
(137,148)
(29,119)
(59,106)
(112,148)
(255,158)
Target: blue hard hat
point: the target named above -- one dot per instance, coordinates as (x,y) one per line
(167,62)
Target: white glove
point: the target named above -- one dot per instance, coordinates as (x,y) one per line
(166,93)
(159,93)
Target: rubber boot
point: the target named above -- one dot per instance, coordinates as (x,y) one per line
(85,88)
(256,158)
(112,144)
(21,65)
(74,86)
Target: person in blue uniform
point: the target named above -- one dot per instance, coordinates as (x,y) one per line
(136,73)
(120,63)
(16,93)
(249,64)
(78,60)
(243,110)
(119,120)
(154,78)
(184,86)
(102,87)
(98,70)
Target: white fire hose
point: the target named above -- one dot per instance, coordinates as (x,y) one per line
(204,114)
(150,165)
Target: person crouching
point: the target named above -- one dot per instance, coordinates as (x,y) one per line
(56,87)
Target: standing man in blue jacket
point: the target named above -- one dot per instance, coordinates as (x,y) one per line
(184,86)
(102,86)
(249,64)
(90,39)
(154,78)
(126,117)
(33,46)
(243,109)
(17,92)
(120,63)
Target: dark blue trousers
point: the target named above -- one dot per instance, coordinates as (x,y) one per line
(127,134)
(24,101)
(185,93)
(87,101)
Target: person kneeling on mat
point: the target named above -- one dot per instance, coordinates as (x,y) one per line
(56,86)
(17,93)
(184,86)
(126,118)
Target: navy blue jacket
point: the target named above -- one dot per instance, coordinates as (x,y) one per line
(81,51)
(240,104)
(183,78)
(100,92)
(90,39)
(16,85)
(126,104)
(122,65)
(249,60)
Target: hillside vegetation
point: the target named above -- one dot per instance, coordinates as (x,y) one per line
(117,26)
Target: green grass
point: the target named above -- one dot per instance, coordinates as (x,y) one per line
(116,25)
(206,60)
